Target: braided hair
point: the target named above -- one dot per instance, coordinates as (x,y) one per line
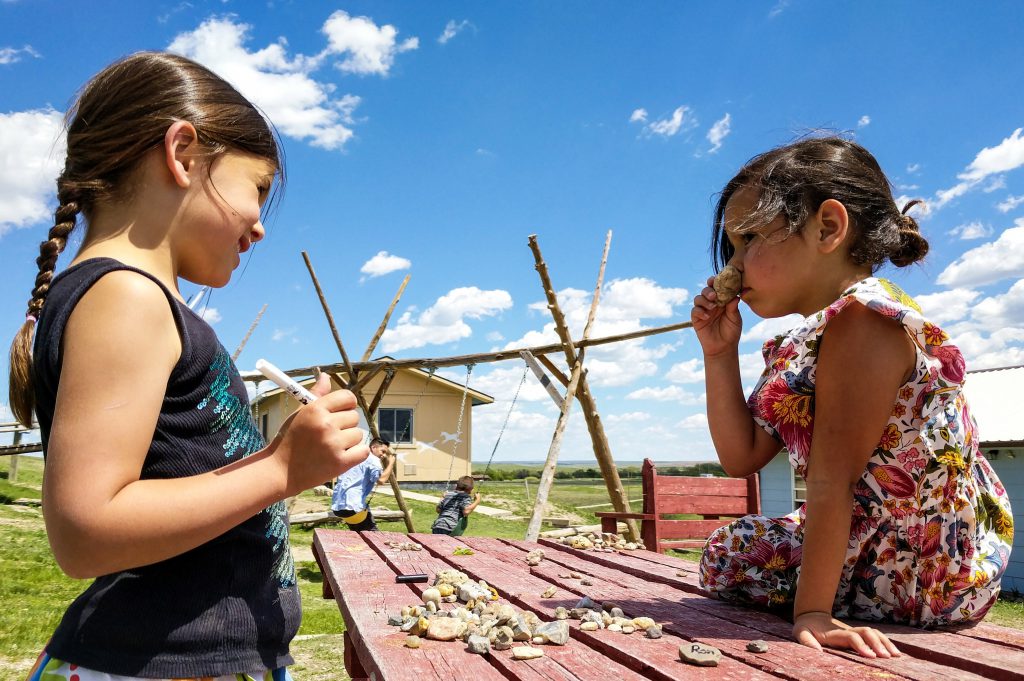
(120,116)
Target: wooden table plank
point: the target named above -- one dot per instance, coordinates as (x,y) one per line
(628,562)
(917,662)
(993,633)
(575,660)
(655,659)
(366,594)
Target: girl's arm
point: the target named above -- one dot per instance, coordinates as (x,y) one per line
(863,361)
(743,447)
(120,346)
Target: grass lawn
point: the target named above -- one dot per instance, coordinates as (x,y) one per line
(35,592)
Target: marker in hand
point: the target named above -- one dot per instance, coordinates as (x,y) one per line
(287,383)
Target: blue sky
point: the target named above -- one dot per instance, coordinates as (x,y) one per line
(431,139)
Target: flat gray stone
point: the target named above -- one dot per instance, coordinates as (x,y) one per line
(479,645)
(758,646)
(699,654)
(556,632)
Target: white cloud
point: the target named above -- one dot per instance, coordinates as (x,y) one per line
(369,49)
(1002,347)
(997,183)
(718,132)
(628,417)
(211,315)
(667,127)
(751,366)
(32,150)
(494,336)
(284,334)
(383,263)
(11,55)
(694,422)
(971,230)
(1005,156)
(444,321)
(452,29)
(299,106)
(1002,311)
(947,306)
(863,121)
(638,115)
(913,168)
(671,393)
(1010,203)
(770,328)
(778,9)
(999,259)
(690,371)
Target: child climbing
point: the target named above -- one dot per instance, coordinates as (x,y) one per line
(454,508)
(354,487)
(905,521)
(158,484)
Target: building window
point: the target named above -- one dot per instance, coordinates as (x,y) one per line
(395,425)
(799,488)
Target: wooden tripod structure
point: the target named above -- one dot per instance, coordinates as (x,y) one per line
(358,374)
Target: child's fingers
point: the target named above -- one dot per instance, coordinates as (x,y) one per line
(339,400)
(805,637)
(322,385)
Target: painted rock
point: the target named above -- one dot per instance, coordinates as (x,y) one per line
(699,654)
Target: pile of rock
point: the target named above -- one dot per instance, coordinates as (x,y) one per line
(405,546)
(608,616)
(604,542)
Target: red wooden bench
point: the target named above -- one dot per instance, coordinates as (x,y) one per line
(710,498)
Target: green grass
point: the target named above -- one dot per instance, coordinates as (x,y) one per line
(34,592)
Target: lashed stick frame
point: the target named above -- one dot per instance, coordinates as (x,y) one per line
(359,373)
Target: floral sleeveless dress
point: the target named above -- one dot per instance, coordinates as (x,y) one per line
(932,527)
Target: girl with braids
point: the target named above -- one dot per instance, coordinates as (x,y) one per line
(904,521)
(157,482)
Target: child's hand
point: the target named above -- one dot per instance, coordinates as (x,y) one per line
(320,440)
(815,629)
(476,498)
(718,328)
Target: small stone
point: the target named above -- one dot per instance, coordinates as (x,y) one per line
(534,557)
(643,622)
(395,620)
(628,628)
(450,599)
(406,611)
(560,613)
(431,595)
(575,575)
(431,607)
(758,646)
(630,546)
(615,627)
(549,592)
(616,612)
(538,640)
(581,542)
(502,638)
(699,654)
(478,644)
(526,653)
(587,603)
(416,611)
(445,590)
(727,285)
(408,623)
(412,641)
(586,582)
(520,629)
(445,628)
(578,613)
(556,632)
(590,626)
(653,631)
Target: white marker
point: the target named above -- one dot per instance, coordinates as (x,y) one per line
(287,383)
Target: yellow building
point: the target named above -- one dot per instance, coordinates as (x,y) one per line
(419,414)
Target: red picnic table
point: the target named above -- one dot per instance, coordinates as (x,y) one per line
(359,571)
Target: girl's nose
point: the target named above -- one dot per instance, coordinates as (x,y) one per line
(257,232)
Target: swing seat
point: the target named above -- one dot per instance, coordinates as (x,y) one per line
(670,495)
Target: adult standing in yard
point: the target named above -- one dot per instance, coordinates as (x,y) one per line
(354,487)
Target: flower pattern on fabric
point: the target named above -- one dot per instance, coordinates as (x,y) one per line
(932,528)
(48,668)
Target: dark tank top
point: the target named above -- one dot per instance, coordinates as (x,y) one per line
(230,605)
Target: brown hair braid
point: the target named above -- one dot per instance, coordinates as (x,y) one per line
(120,116)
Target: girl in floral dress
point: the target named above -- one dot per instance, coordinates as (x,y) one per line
(905,521)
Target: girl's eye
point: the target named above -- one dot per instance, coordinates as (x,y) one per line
(747,238)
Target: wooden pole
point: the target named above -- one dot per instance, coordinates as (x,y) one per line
(384,323)
(248,333)
(575,361)
(599,440)
(12,471)
(371,420)
(479,358)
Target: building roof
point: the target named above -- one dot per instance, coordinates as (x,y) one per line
(476,396)
(991,395)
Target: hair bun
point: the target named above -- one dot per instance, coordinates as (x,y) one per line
(912,246)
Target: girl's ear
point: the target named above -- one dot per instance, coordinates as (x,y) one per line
(833,225)
(181,146)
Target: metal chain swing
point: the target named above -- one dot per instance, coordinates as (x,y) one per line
(504,425)
(458,426)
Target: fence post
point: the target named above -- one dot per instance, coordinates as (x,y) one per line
(12,472)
